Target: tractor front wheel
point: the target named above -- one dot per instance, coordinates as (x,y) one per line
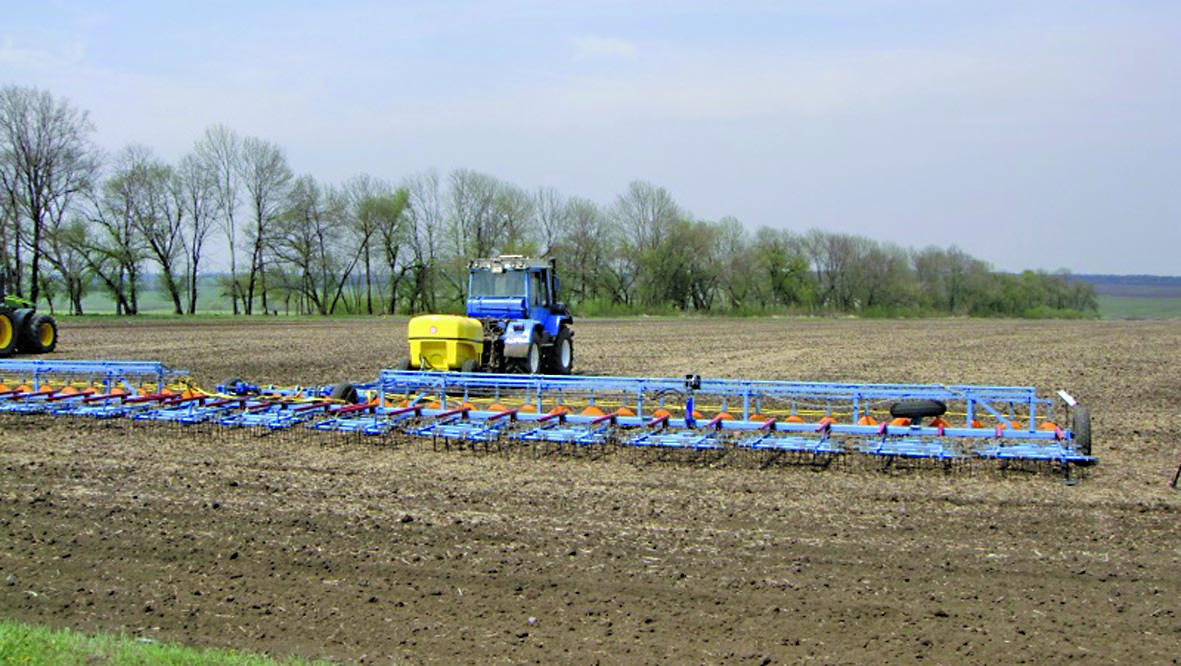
(561,356)
(531,364)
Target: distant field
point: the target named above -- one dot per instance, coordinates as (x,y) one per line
(1139,307)
(1150,304)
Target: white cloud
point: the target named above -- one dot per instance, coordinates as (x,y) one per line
(596,47)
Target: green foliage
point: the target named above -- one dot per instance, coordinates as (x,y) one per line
(26,644)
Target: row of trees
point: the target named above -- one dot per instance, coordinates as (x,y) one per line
(71,218)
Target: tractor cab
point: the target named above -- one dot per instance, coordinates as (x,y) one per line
(514,287)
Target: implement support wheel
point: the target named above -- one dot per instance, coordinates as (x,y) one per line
(345,392)
(918,409)
(1081,429)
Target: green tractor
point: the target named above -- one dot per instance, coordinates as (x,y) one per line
(23,329)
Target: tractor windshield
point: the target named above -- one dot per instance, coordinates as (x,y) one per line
(497,285)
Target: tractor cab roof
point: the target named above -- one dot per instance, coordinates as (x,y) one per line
(508,262)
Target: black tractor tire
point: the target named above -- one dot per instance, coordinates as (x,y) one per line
(560,358)
(20,322)
(345,392)
(1081,429)
(8,332)
(918,409)
(39,335)
(470,365)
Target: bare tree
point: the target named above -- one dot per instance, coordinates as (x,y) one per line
(113,247)
(360,190)
(553,216)
(426,221)
(584,248)
(219,153)
(474,224)
(386,215)
(195,187)
(646,214)
(148,190)
(305,241)
(645,217)
(46,159)
(266,178)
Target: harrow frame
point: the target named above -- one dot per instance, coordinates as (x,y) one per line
(813,420)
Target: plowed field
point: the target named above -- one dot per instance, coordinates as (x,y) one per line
(371,551)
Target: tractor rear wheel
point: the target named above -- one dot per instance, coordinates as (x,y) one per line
(8,332)
(40,334)
(561,355)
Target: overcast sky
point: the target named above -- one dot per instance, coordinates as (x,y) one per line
(1031,134)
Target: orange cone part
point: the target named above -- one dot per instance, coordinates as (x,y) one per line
(1048,425)
(794,418)
(727,416)
(756,417)
(661,413)
(900,422)
(867,421)
(592,411)
(827,420)
(939,423)
(560,409)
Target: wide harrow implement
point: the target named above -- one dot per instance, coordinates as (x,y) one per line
(785,421)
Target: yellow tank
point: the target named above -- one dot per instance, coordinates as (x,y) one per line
(445,342)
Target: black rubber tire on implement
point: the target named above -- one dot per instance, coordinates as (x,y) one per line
(560,358)
(39,335)
(918,409)
(1081,429)
(470,365)
(8,332)
(345,392)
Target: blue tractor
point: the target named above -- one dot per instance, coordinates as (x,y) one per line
(514,323)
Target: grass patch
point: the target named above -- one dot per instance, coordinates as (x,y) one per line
(26,644)
(1126,307)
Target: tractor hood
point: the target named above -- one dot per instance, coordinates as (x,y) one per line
(497,307)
